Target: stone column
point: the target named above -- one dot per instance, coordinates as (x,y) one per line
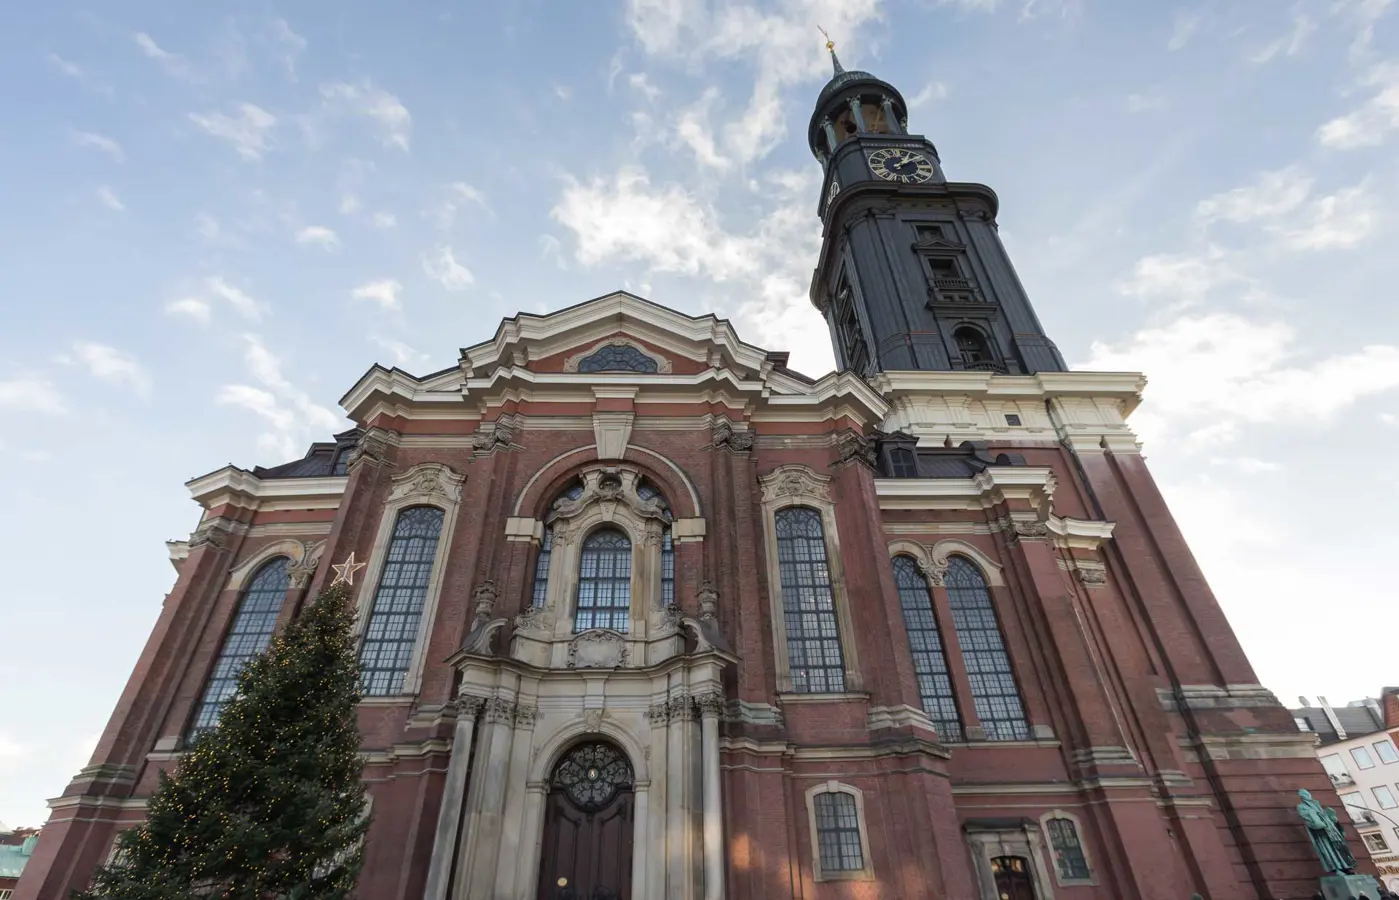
(889,118)
(444,845)
(858,115)
(711,705)
(486,813)
(514,840)
(830,135)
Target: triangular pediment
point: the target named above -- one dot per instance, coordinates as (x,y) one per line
(938,245)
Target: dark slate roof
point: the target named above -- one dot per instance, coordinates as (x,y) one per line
(963,461)
(1355,720)
(319,461)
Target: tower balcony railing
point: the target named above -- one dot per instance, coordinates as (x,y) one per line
(985,367)
(953,284)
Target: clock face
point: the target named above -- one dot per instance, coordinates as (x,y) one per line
(897,164)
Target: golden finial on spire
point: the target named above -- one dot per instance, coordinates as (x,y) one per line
(830,44)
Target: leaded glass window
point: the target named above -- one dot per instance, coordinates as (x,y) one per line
(397,611)
(618,358)
(248,635)
(903,463)
(647,492)
(1068,850)
(814,657)
(994,693)
(592,774)
(540,597)
(604,582)
(341,465)
(838,832)
(929,655)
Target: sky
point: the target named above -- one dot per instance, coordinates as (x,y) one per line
(215,216)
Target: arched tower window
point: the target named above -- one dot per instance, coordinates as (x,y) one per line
(994,692)
(248,635)
(975,353)
(929,656)
(604,582)
(814,655)
(397,610)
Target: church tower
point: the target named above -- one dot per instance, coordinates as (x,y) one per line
(912,273)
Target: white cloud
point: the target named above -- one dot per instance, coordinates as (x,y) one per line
(291,44)
(1289,44)
(1222,369)
(295,419)
(108,198)
(442,266)
(1365,14)
(1249,465)
(247,131)
(1184,277)
(1186,24)
(932,91)
(384,293)
(111,365)
(319,235)
(385,220)
(100,142)
(71,69)
(173,63)
(458,195)
(31,393)
(1374,120)
(191,308)
(244,305)
(1274,194)
(388,112)
(403,355)
(641,83)
(1145,102)
(1338,221)
(207,227)
(696,132)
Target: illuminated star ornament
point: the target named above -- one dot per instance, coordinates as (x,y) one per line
(345,572)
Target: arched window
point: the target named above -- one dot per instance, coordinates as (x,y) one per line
(604,582)
(925,642)
(838,832)
(1069,858)
(647,491)
(252,627)
(971,346)
(397,611)
(618,358)
(539,597)
(902,463)
(814,655)
(996,698)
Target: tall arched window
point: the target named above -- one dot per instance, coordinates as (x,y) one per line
(604,582)
(814,655)
(539,597)
(994,693)
(397,611)
(252,627)
(929,656)
(971,346)
(647,491)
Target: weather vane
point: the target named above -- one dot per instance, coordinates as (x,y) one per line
(830,44)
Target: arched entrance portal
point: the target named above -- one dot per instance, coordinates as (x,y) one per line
(588,824)
(1013,878)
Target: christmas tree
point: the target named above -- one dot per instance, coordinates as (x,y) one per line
(268,804)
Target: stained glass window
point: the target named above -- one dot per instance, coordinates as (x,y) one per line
(994,693)
(929,657)
(397,611)
(1068,851)
(604,582)
(617,358)
(253,623)
(814,656)
(838,832)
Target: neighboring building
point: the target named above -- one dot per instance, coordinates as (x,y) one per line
(15,849)
(1359,755)
(647,610)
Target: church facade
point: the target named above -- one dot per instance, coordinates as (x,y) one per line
(647,614)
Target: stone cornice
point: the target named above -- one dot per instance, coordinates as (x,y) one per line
(992,487)
(233,486)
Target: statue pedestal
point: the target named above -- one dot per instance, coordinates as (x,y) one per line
(1349,887)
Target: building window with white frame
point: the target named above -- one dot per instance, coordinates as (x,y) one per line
(1362,757)
(814,656)
(995,695)
(1384,796)
(1355,805)
(1385,751)
(840,847)
(395,616)
(1064,842)
(1375,842)
(604,582)
(925,644)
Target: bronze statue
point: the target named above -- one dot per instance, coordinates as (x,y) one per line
(1328,840)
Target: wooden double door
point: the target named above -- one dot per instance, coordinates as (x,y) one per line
(589,820)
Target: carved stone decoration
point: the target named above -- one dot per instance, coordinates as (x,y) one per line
(597,649)
(708,597)
(663,365)
(855,447)
(794,481)
(468,706)
(490,435)
(372,446)
(711,704)
(535,618)
(592,721)
(1030,529)
(484,600)
(682,709)
(666,620)
(1092,576)
(427,481)
(526,716)
(481,639)
(658,713)
(933,569)
(725,437)
(498,709)
(214,533)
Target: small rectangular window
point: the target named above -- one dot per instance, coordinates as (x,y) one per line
(1012,419)
(1355,805)
(1068,851)
(1373,842)
(1362,758)
(1301,723)
(1385,750)
(1384,797)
